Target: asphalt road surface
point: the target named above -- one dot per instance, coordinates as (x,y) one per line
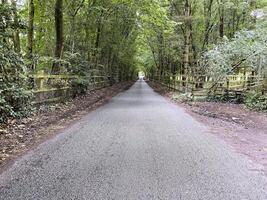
(138,146)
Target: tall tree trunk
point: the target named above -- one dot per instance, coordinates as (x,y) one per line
(208,25)
(30,34)
(187,34)
(59,35)
(73,24)
(234,20)
(161,55)
(221,19)
(188,39)
(73,29)
(16,23)
(97,40)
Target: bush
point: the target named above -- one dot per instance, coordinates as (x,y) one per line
(256,101)
(15,102)
(76,64)
(79,86)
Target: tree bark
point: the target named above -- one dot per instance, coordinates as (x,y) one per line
(97,40)
(59,35)
(208,24)
(73,24)
(188,44)
(187,34)
(30,34)
(161,55)
(73,29)
(221,19)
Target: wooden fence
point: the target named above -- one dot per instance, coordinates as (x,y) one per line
(203,85)
(51,88)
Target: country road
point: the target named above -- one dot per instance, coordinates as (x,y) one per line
(138,146)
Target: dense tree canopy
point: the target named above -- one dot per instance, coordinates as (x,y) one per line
(168,35)
(159,37)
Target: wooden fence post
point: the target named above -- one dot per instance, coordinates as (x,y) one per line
(40,80)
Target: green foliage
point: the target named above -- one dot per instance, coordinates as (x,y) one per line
(76,64)
(256,101)
(6,22)
(127,36)
(80,86)
(14,100)
(248,49)
(156,30)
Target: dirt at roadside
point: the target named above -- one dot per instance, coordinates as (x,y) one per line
(18,136)
(243,129)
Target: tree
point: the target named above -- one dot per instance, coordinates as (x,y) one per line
(30,34)
(73,11)
(59,35)
(221,17)
(14,101)
(248,49)
(187,37)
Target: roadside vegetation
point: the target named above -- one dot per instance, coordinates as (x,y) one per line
(60,44)
(58,39)
(213,49)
